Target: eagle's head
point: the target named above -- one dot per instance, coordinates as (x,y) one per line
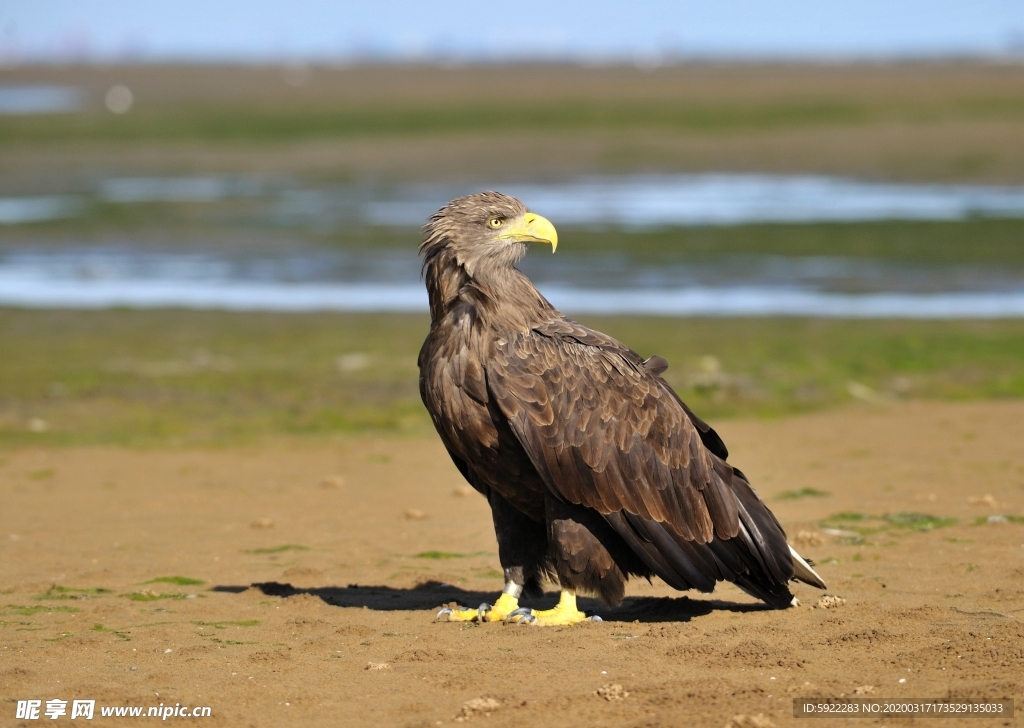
(486,230)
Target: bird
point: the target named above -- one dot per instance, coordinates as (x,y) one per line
(594,469)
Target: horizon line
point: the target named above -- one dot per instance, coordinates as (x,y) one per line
(639,61)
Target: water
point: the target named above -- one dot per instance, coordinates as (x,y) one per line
(696,301)
(126,190)
(17,100)
(95,278)
(723,199)
(627,201)
(21,210)
(310,279)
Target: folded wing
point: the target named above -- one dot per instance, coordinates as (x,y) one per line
(607,432)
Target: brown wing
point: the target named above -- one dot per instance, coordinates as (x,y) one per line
(606,432)
(476,435)
(603,432)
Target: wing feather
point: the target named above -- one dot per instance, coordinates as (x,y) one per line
(605,431)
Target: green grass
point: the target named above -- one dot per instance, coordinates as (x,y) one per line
(973,242)
(181,377)
(277,549)
(423,123)
(223,122)
(441,555)
(176,580)
(63,592)
(225,625)
(1005,518)
(866,525)
(169,376)
(121,634)
(802,493)
(147,595)
(220,102)
(35,609)
(777,366)
(917,521)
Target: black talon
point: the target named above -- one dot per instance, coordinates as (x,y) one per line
(525,615)
(481,611)
(448,610)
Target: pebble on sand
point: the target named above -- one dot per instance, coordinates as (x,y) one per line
(333,481)
(829,602)
(611,691)
(483,706)
(983,500)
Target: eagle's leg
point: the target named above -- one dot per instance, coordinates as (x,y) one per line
(564,613)
(522,549)
(507,603)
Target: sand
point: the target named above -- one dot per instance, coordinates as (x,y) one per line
(314,608)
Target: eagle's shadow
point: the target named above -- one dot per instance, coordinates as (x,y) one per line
(432,595)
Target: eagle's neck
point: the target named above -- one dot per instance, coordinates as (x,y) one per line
(501,297)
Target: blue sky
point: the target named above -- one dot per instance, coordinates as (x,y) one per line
(260,30)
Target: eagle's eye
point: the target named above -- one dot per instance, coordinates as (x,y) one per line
(495,223)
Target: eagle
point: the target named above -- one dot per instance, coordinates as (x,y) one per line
(595,470)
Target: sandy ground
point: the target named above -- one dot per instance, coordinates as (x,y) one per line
(352,641)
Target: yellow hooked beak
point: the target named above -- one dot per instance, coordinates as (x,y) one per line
(532,228)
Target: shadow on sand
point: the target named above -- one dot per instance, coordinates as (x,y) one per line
(432,595)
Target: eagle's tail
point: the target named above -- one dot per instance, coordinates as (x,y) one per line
(757,559)
(765,538)
(803,571)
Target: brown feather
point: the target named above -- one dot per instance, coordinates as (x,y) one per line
(574,430)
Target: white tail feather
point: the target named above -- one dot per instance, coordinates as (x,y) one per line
(804,572)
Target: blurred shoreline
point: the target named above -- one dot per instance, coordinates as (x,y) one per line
(950,121)
(763,201)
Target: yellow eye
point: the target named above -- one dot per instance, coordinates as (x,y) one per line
(495,222)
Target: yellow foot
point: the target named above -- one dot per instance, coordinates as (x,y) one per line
(505,605)
(564,613)
(484,613)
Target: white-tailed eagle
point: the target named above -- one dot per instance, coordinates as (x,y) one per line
(595,470)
